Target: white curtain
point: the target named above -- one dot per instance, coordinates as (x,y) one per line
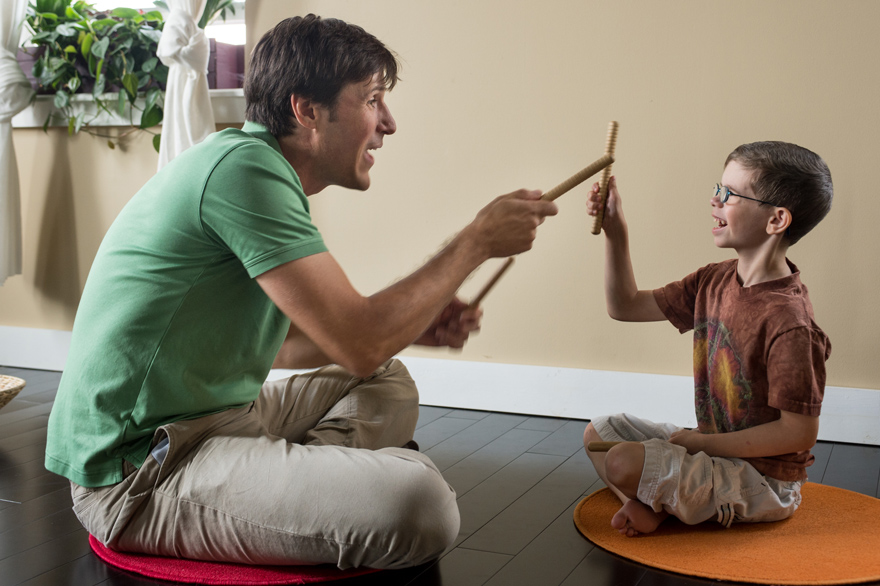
(184,48)
(15,93)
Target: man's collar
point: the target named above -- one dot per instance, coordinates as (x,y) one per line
(257,130)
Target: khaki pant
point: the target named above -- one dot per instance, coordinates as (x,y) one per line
(697,487)
(310,473)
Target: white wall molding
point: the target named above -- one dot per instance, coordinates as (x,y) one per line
(228,106)
(848,414)
(33,348)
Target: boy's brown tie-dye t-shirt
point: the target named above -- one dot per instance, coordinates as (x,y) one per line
(757,350)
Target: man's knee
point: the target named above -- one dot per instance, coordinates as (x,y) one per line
(422,517)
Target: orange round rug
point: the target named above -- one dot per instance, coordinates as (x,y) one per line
(833,538)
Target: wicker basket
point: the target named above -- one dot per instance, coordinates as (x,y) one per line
(10,386)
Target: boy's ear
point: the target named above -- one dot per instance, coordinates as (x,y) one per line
(779,221)
(303,110)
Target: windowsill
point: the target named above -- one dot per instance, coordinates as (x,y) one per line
(228,105)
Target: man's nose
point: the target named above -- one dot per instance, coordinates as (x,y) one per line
(387,124)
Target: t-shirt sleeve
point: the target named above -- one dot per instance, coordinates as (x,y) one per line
(254,205)
(796,370)
(678,300)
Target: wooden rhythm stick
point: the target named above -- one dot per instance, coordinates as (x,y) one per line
(601,163)
(601,446)
(610,143)
(488,286)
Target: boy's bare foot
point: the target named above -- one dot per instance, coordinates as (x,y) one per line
(635,518)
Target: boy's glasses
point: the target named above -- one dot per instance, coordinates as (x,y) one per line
(724,194)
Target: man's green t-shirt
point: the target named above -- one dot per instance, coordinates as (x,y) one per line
(172,324)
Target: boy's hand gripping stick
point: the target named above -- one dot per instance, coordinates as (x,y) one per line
(602,163)
(610,143)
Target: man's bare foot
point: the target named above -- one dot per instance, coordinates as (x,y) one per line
(635,518)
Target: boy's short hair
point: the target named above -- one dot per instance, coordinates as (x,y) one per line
(789,176)
(314,58)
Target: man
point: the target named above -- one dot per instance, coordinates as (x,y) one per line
(213,273)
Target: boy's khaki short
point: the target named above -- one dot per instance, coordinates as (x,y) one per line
(696,488)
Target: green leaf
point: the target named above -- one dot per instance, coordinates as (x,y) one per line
(130,83)
(151,117)
(80,120)
(62,99)
(100,84)
(37,71)
(99,49)
(162,4)
(111,144)
(71,125)
(157,141)
(52,6)
(48,16)
(154,15)
(153,95)
(151,33)
(125,13)
(70,49)
(161,74)
(87,41)
(73,83)
(66,30)
(103,23)
(150,64)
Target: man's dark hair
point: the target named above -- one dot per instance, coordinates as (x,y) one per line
(314,58)
(789,176)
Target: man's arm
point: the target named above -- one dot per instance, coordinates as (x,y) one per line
(360,333)
(792,432)
(624,300)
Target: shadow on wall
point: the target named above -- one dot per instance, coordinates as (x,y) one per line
(56,270)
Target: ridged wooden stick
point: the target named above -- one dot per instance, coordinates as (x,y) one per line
(488,286)
(601,163)
(601,446)
(610,143)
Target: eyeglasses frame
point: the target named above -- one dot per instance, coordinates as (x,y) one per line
(727,193)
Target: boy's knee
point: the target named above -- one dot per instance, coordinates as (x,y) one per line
(623,467)
(591,435)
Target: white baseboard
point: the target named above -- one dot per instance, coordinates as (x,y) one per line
(848,414)
(33,348)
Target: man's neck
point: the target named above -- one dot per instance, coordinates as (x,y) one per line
(766,263)
(295,149)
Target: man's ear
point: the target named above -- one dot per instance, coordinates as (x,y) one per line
(779,222)
(303,110)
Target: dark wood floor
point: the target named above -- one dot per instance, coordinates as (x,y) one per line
(518,479)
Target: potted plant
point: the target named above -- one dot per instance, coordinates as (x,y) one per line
(108,56)
(84,51)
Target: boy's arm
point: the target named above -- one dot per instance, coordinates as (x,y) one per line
(792,432)
(622,296)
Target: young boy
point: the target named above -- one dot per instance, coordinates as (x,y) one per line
(759,357)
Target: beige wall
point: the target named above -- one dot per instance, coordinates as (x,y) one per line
(499,95)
